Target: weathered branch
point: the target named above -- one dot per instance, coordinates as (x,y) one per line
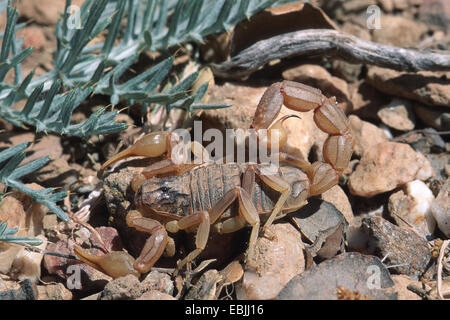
(331,43)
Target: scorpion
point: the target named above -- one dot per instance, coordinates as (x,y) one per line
(172,196)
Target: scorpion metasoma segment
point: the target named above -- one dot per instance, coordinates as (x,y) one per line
(194,199)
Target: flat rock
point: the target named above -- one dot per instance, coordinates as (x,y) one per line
(322,224)
(276,261)
(339,199)
(401,283)
(54,292)
(386,166)
(364,276)
(366,135)
(398,115)
(124,288)
(403,248)
(430,88)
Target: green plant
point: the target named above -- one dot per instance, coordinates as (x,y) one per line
(6,235)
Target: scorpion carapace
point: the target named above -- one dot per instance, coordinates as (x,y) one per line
(194,199)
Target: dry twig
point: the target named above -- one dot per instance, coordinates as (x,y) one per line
(332,43)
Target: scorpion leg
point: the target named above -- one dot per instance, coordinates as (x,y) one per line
(278,184)
(202,219)
(247,211)
(154,246)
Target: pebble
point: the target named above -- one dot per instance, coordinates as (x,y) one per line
(155,295)
(54,292)
(437,118)
(158,281)
(124,288)
(277,261)
(441,209)
(323,225)
(386,5)
(27,291)
(401,283)
(366,135)
(398,115)
(366,100)
(413,206)
(430,88)
(400,247)
(387,166)
(351,271)
(339,199)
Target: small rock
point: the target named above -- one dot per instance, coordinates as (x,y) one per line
(277,262)
(46,12)
(27,264)
(366,135)
(318,77)
(92,280)
(366,100)
(323,225)
(435,12)
(158,281)
(54,292)
(430,88)
(441,209)
(357,29)
(339,199)
(155,295)
(386,166)
(401,4)
(124,288)
(386,5)
(27,291)
(350,72)
(438,162)
(350,270)
(401,283)
(401,247)
(110,238)
(398,31)
(398,115)
(427,142)
(434,117)
(414,207)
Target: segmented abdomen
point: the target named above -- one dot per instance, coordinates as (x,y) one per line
(208,185)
